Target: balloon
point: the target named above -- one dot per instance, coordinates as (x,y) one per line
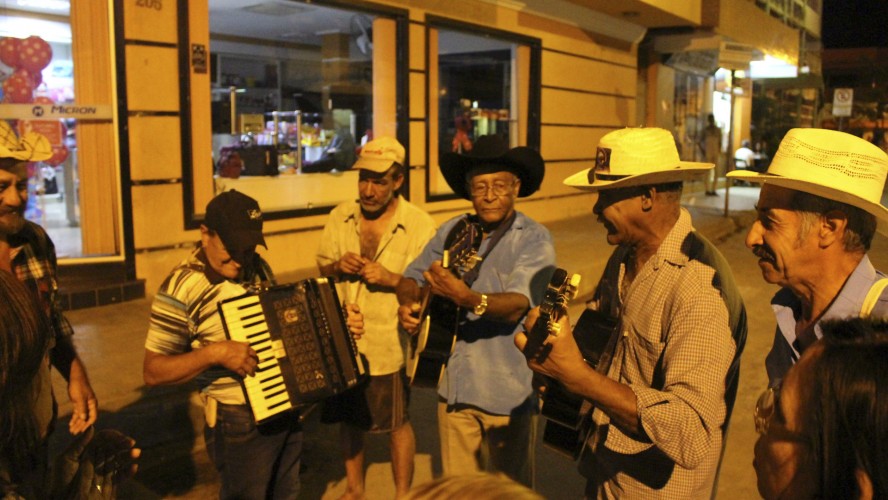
(34,54)
(59,155)
(43,100)
(37,78)
(18,88)
(9,51)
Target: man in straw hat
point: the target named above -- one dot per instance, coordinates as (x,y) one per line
(28,253)
(487,405)
(366,245)
(661,408)
(818,211)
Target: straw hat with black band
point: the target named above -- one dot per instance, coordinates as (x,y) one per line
(636,157)
(491,154)
(830,164)
(31,147)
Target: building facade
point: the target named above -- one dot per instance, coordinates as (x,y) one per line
(177,85)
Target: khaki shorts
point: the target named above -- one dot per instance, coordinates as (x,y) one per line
(378,406)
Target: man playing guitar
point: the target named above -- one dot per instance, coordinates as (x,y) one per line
(486,395)
(662,406)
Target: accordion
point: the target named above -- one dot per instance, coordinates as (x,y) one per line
(306,353)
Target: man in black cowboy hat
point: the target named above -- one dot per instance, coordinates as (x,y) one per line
(662,405)
(486,397)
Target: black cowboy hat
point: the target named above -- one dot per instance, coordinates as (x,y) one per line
(492,154)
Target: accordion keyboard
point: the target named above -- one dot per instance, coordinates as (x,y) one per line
(305,351)
(266,391)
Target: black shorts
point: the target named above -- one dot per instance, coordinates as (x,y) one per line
(379,405)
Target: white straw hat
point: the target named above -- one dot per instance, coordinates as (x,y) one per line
(831,164)
(635,157)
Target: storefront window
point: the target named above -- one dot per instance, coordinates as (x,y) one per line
(36,67)
(481,83)
(293,98)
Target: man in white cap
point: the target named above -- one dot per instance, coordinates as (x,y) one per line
(661,407)
(818,211)
(28,253)
(366,245)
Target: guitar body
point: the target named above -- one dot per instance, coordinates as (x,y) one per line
(429,350)
(431,347)
(569,416)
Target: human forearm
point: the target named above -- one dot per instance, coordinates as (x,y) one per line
(615,399)
(506,307)
(63,355)
(407,291)
(163,369)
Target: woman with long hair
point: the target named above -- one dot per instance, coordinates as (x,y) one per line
(24,383)
(824,429)
(94,464)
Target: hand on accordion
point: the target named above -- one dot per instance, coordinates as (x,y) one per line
(355,320)
(238,357)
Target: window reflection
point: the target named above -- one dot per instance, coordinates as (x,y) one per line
(292,95)
(36,67)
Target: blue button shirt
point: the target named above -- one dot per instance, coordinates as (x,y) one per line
(784,353)
(486,370)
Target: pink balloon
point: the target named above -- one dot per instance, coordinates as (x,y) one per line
(9,51)
(59,155)
(34,54)
(18,88)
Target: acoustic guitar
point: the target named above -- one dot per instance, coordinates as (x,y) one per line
(568,416)
(429,350)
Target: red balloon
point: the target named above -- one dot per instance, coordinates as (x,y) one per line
(43,100)
(9,51)
(18,88)
(59,155)
(34,54)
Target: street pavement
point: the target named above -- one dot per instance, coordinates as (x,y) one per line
(167,421)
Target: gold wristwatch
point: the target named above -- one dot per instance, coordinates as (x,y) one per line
(481,308)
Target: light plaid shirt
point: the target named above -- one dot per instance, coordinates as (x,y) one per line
(676,350)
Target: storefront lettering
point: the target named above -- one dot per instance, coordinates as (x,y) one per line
(83,110)
(150,4)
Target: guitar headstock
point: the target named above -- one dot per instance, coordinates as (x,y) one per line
(462,247)
(562,288)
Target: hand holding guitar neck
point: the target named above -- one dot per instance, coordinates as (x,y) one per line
(561,289)
(439,311)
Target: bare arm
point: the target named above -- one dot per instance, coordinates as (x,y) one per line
(80,392)
(408,293)
(166,369)
(508,307)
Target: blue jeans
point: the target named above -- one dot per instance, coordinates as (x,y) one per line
(255,462)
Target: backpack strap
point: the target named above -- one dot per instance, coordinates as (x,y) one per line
(872,297)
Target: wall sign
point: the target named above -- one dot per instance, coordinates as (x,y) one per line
(199,58)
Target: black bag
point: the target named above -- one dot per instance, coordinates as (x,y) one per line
(259,160)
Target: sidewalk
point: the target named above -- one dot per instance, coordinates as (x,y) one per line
(166,421)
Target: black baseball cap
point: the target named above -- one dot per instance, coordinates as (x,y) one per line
(237,219)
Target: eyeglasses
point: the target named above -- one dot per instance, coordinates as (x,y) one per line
(499,188)
(767,406)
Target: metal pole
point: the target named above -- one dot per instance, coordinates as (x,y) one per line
(730,164)
(232,97)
